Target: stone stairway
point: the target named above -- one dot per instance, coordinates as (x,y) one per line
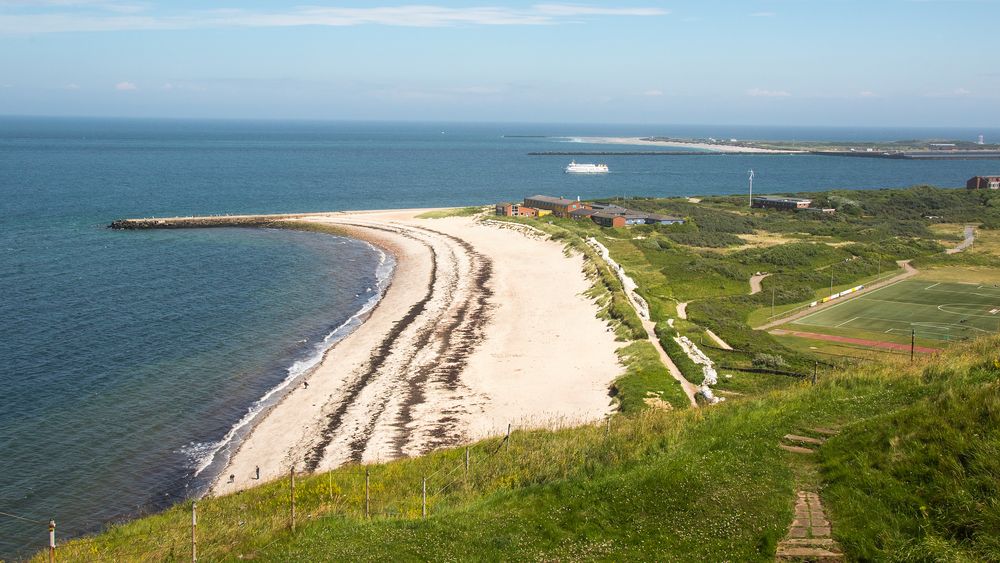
(809,536)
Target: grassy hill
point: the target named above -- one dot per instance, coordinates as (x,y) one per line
(912,475)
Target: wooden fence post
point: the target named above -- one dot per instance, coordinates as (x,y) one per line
(423,500)
(367,503)
(467,462)
(508,436)
(194,532)
(52,541)
(291,482)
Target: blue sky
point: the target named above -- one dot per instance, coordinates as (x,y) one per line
(810,62)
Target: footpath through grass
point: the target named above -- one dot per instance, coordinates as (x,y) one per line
(913,475)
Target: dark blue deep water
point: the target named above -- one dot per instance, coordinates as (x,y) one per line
(126,357)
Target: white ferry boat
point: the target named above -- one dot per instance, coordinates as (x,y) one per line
(584,168)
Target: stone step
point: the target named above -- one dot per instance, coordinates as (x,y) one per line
(827,543)
(796,449)
(807,554)
(803,439)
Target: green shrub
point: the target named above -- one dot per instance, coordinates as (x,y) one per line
(771,361)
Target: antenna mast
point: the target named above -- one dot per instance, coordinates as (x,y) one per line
(751,187)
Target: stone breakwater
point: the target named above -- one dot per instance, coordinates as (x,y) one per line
(203,221)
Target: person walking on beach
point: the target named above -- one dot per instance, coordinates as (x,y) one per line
(257,473)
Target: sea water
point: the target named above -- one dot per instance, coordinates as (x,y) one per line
(131,361)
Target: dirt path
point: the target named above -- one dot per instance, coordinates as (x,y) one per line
(690,389)
(908,272)
(970,237)
(859,341)
(755,283)
(642,309)
(682,312)
(722,343)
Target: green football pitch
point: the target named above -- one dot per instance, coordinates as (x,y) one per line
(934,310)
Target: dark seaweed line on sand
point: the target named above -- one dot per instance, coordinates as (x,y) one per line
(423,337)
(378,358)
(458,339)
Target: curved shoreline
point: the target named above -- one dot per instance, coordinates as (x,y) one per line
(441,357)
(222,451)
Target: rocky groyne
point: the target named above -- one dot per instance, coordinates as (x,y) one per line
(203,221)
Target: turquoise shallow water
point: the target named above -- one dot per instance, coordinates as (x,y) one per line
(125,357)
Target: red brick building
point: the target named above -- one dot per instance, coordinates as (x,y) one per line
(983,183)
(515,210)
(559,207)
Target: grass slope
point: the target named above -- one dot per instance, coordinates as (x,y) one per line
(913,475)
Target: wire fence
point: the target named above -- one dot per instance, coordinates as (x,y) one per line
(244,526)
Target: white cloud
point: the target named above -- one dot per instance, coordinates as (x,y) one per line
(126,86)
(574,10)
(957,92)
(653,93)
(103,5)
(867,94)
(761,93)
(70,19)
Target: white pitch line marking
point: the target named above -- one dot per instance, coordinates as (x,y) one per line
(845,322)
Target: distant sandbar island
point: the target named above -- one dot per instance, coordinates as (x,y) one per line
(907,149)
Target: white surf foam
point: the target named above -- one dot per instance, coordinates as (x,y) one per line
(204,455)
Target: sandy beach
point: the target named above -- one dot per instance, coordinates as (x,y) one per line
(481,326)
(720,147)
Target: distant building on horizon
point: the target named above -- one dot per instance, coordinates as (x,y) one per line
(983,183)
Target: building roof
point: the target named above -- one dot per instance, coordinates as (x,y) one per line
(550,199)
(782,199)
(605,215)
(657,217)
(582,212)
(607,206)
